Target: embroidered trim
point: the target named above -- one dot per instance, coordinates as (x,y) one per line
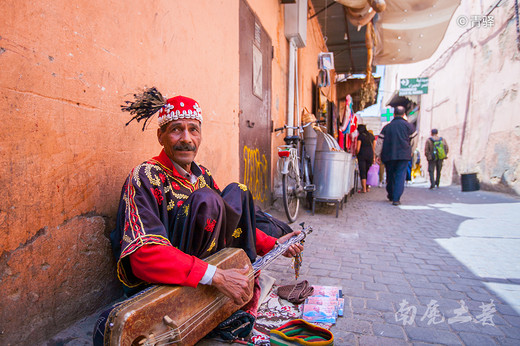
(237,233)
(131,248)
(135,222)
(158,195)
(154,179)
(171,114)
(212,245)
(135,175)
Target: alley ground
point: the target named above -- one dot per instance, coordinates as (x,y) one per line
(442,268)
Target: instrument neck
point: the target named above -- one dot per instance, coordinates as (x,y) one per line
(264,261)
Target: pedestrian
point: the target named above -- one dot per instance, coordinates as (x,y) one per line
(365,155)
(172,213)
(416,168)
(393,148)
(436,151)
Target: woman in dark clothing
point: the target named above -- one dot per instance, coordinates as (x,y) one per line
(365,154)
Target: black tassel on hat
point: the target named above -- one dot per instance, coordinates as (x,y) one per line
(144,106)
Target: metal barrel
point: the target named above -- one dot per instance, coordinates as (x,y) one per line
(329,174)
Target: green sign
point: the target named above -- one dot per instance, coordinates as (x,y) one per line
(387,115)
(413,86)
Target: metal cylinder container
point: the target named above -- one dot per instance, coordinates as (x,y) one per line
(329,174)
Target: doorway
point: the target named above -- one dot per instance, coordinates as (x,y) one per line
(255,106)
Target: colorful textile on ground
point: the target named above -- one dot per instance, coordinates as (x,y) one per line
(273,313)
(300,332)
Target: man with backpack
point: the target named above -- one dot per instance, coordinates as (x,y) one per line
(436,150)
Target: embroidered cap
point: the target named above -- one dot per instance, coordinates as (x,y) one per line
(151,101)
(179,107)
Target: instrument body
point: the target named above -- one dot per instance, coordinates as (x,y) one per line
(181,315)
(191,312)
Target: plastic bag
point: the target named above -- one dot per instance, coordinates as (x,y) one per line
(373,175)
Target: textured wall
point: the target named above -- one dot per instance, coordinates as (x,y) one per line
(65,69)
(271,14)
(473,96)
(65,152)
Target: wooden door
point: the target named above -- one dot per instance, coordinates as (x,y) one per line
(255,106)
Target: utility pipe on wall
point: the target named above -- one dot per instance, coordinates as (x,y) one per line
(291,86)
(297,89)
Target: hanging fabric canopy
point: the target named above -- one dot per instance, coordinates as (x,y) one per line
(408,31)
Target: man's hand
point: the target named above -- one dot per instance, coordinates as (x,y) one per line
(294,249)
(378,160)
(234,283)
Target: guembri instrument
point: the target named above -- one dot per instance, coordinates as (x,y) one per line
(180,315)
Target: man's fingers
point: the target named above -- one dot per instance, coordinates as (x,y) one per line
(293,250)
(288,236)
(234,283)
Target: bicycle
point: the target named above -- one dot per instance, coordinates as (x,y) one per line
(294,164)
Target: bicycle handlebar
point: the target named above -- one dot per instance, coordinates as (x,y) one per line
(297,127)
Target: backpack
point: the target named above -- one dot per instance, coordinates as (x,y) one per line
(438,149)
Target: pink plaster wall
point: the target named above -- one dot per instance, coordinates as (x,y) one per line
(65,69)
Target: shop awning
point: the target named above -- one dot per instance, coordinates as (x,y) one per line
(411,30)
(406,30)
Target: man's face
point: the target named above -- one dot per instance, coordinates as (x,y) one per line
(181,139)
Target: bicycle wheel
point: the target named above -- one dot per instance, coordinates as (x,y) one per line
(291,203)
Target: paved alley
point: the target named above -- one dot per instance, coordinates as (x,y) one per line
(442,268)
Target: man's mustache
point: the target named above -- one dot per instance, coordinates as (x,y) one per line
(184,147)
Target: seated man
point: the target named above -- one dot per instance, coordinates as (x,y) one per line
(172,214)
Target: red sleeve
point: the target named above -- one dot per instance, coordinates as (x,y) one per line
(167,265)
(264,242)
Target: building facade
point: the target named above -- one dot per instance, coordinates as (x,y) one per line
(66,67)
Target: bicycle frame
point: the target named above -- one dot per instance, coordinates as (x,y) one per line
(294,166)
(291,156)
(291,165)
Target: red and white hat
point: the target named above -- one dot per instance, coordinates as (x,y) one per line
(179,107)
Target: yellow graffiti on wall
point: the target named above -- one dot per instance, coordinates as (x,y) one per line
(255,173)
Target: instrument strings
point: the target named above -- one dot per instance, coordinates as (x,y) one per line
(199,317)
